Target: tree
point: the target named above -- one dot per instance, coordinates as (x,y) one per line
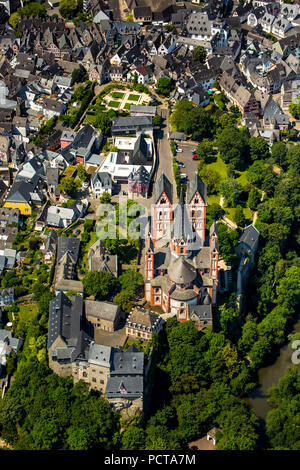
(239,217)
(199,124)
(69,8)
(180,115)
(253,199)
(200,54)
(282,422)
(81,172)
(205,150)
(32,9)
(164,86)
(102,121)
(157,120)
(133,438)
(259,148)
(14,19)
(105,198)
(100,284)
(278,153)
(294,107)
(211,178)
(233,146)
(130,281)
(78,75)
(256,173)
(231,190)
(69,185)
(130,18)
(213,212)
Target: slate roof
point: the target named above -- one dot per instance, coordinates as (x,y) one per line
(127,363)
(249,236)
(182,272)
(202,312)
(124,387)
(196,184)
(65,319)
(102,310)
(163,185)
(100,355)
(19,192)
(70,246)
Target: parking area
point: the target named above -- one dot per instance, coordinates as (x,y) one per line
(186,157)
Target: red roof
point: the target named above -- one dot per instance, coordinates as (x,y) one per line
(142,70)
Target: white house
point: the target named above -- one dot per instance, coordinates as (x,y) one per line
(100,183)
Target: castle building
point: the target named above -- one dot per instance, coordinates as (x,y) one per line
(181,266)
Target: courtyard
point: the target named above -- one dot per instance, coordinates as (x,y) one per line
(122,100)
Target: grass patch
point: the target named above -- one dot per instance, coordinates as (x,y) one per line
(213,199)
(117,94)
(127,106)
(242,179)
(229,213)
(133,97)
(218,165)
(28,310)
(114,104)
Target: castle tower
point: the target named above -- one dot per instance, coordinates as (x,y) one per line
(180,235)
(196,199)
(162,212)
(149,268)
(214,259)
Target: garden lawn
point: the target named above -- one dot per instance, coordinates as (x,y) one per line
(117,94)
(28,310)
(242,179)
(229,212)
(213,199)
(114,104)
(133,97)
(219,166)
(127,106)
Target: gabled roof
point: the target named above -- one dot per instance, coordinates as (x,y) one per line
(163,185)
(196,184)
(249,236)
(20,192)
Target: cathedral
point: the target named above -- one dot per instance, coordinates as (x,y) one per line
(181,266)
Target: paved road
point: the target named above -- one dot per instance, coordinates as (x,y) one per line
(165,157)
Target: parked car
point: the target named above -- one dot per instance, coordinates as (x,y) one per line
(77,233)
(179,150)
(181,165)
(183,176)
(194,150)
(195,157)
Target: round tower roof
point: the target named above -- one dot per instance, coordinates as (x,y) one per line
(182,272)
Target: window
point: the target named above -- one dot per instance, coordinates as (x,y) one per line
(102,382)
(84,374)
(93,379)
